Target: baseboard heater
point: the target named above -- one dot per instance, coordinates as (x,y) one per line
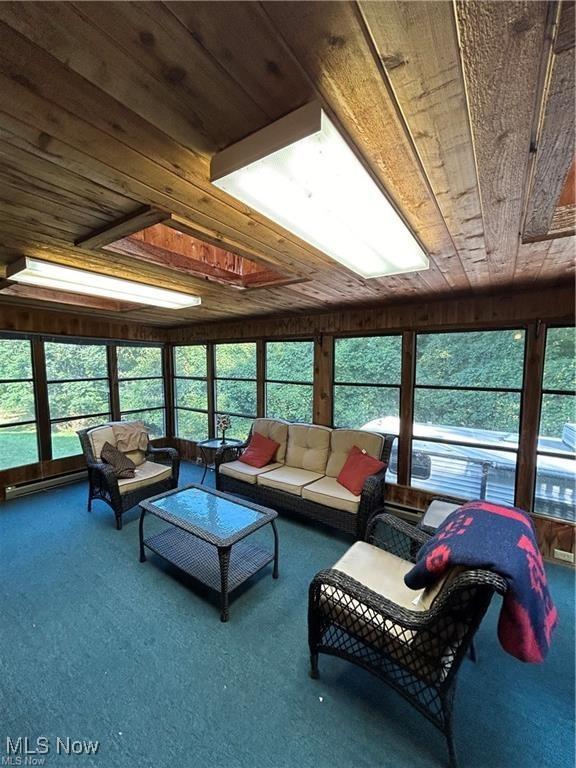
(14,491)
(410,514)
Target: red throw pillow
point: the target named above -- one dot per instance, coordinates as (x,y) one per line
(260,450)
(358,466)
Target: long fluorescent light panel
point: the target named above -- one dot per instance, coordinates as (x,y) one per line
(301,173)
(48,275)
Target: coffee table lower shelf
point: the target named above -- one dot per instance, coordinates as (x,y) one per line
(221,569)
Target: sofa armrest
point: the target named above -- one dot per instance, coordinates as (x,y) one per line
(371,499)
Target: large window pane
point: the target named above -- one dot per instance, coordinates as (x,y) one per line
(16,402)
(190,361)
(143,393)
(485,417)
(153,421)
(239,427)
(15,359)
(18,446)
(236,397)
(456,470)
(236,361)
(290,361)
(134,362)
(555,487)
(557,424)
(475,359)
(368,360)
(191,425)
(292,402)
(78,398)
(374,408)
(191,393)
(75,361)
(65,441)
(560,360)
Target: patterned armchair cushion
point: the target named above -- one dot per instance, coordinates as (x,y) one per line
(121,464)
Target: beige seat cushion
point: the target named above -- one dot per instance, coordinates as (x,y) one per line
(245,472)
(274,429)
(147,473)
(308,447)
(383,573)
(342,440)
(330,493)
(289,479)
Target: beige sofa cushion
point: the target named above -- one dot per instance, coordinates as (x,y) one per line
(245,472)
(308,447)
(146,474)
(105,434)
(290,479)
(342,440)
(330,493)
(274,429)
(100,435)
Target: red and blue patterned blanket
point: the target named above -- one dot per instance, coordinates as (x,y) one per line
(501,539)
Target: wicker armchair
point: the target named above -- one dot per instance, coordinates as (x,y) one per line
(416,649)
(122,495)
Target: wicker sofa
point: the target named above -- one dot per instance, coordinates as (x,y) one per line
(302,478)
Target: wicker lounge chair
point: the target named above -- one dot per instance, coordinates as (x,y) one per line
(361,611)
(157,470)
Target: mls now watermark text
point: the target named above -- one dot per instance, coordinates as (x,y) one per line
(25,751)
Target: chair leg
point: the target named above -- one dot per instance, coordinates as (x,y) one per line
(447,704)
(452,760)
(314,673)
(118,522)
(472,652)
(89,503)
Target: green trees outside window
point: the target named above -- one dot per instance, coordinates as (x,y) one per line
(191,392)
(18,433)
(467,413)
(556,465)
(141,387)
(78,392)
(235,385)
(289,377)
(367,373)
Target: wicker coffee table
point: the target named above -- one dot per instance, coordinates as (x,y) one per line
(205,538)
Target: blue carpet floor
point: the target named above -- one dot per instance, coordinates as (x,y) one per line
(95,645)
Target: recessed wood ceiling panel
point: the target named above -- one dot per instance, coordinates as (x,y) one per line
(108,107)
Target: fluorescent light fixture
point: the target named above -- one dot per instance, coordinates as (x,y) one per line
(48,275)
(301,173)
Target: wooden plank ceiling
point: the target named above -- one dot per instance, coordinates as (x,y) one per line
(463,111)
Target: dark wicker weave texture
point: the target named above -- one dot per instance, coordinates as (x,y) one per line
(103,484)
(417,653)
(371,500)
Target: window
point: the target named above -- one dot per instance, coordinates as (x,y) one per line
(18,433)
(556,465)
(78,392)
(141,387)
(191,392)
(367,374)
(467,413)
(289,376)
(235,385)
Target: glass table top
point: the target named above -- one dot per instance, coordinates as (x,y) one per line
(217,443)
(215,515)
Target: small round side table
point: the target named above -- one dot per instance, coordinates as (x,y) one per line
(214,446)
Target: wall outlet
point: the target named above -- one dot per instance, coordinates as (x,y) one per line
(560,554)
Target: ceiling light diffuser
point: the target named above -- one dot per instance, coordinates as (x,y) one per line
(301,173)
(48,275)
